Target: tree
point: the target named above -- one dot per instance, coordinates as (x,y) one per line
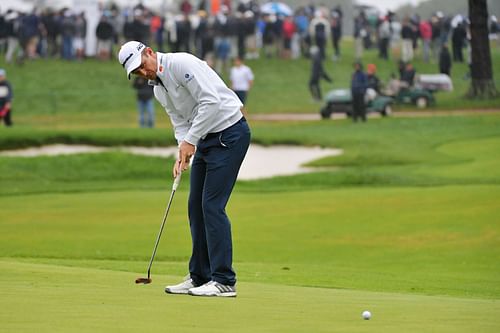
(482,84)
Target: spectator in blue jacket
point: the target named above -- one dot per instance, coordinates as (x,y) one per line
(359,84)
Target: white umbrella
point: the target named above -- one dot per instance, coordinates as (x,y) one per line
(276,8)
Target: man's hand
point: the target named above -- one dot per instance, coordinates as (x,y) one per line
(186,151)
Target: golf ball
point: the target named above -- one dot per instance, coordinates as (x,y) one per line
(366,315)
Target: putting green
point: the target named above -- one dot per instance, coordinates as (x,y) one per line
(50,298)
(438,240)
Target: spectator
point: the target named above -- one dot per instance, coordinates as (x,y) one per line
(241,35)
(317,73)
(156,27)
(373,80)
(3,33)
(269,35)
(184,34)
(360,33)
(241,77)
(336,30)
(28,36)
(5,99)
(393,86)
(12,26)
(426,35)
(144,102)
(288,32)
(104,33)
(319,31)
(445,60)
(171,30)
(415,24)
(302,23)
(408,75)
(458,38)
(251,35)
(384,35)
(436,40)
(445,23)
(407,43)
(139,27)
(203,36)
(222,44)
(42,46)
(80,33)
(277,27)
(68,30)
(359,84)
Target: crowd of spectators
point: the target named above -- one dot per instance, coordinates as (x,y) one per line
(235,29)
(403,37)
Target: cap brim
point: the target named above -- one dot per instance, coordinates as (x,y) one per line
(133,65)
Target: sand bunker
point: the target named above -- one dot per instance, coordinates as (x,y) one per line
(260,162)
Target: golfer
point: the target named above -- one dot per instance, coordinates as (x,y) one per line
(209,126)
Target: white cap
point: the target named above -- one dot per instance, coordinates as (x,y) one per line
(2,72)
(130,56)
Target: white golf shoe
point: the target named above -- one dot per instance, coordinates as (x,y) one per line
(213,288)
(181,288)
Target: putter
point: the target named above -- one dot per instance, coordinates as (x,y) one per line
(174,188)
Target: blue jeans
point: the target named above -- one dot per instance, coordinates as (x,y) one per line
(67,48)
(213,174)
(146,113)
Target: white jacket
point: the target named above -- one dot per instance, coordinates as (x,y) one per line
(196,99)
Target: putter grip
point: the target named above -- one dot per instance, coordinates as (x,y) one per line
(177,181)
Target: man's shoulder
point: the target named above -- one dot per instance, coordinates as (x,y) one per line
(181,56)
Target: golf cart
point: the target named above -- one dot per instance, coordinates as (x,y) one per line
(340,101)
(422,94)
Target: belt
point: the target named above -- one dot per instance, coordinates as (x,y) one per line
(216,134)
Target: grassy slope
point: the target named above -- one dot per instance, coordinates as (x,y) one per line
(53,93)
(382,152)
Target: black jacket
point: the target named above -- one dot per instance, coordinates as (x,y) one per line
(444,61)
(144,90)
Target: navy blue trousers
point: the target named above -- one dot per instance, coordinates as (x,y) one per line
(214,170)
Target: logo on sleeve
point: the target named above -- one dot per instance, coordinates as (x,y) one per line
(188,77)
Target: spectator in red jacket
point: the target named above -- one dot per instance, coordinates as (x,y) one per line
(426,34)
(288,31)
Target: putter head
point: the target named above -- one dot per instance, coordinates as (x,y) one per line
(143,280)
